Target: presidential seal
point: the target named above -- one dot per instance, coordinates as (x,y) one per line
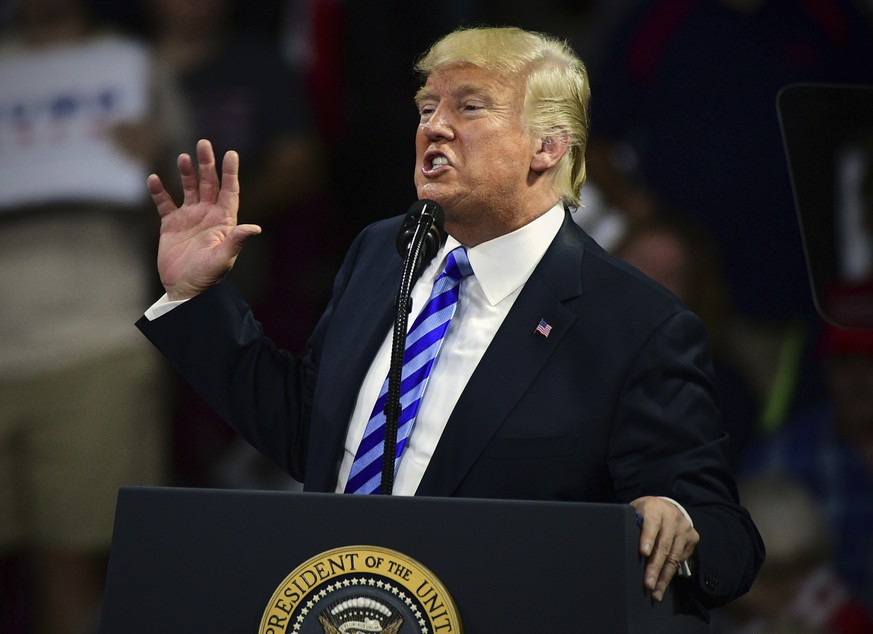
(360,590)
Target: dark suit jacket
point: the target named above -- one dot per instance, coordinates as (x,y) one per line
(616,403)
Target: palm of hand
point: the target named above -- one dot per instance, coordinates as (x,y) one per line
(191,251)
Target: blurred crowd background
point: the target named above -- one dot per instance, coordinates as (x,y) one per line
(687,181)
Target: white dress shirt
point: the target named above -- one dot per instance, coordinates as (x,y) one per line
(500,269)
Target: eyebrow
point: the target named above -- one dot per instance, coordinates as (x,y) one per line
(464,90)
(423,95)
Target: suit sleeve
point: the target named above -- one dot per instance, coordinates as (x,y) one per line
(264,392)
(667,440)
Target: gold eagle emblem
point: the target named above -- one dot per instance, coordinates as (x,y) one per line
(360,615)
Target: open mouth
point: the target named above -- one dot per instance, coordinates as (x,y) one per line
(435,162)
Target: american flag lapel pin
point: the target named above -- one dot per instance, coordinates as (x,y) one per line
(544,328)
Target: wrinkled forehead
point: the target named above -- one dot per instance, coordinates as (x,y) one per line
(463,79)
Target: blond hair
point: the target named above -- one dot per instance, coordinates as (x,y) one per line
(557,92)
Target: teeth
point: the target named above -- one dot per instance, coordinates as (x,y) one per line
(439,161)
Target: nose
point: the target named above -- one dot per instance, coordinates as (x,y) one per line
(438,125)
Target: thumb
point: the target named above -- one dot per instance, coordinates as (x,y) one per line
(233,243)
(240,234)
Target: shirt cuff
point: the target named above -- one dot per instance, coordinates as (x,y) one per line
(165,305)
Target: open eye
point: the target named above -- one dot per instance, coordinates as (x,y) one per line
(426,109)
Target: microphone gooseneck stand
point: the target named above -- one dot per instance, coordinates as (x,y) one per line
(421,249)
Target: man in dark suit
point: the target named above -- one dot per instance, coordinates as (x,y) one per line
(564,375)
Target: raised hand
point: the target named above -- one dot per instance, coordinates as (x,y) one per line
(200,240)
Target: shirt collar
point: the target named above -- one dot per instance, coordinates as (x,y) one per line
(502,265)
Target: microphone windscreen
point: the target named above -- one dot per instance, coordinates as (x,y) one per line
(430,214)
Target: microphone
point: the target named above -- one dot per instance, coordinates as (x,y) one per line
(418,241)
(424,220)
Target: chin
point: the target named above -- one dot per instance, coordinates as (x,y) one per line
(432,193)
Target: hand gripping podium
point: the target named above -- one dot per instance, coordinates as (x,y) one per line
(216,561)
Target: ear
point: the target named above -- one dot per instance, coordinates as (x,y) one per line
(549,150)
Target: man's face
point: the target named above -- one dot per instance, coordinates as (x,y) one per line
(663,258)
(473,151)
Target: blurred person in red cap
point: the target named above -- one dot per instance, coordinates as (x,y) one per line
(848,359)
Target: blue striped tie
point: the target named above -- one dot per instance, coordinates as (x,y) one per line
(422,346)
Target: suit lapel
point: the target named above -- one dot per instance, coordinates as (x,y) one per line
(356,338)
(511,363)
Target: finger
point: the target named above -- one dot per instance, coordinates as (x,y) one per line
(228,195)
(649,534)
(661,534)
(666,574)
(189,180)
(242,232)
(690,544)
(233,244)
(162,199)
(656,560)
(206,169)
(680,550)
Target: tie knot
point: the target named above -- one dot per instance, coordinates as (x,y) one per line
(457,265)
